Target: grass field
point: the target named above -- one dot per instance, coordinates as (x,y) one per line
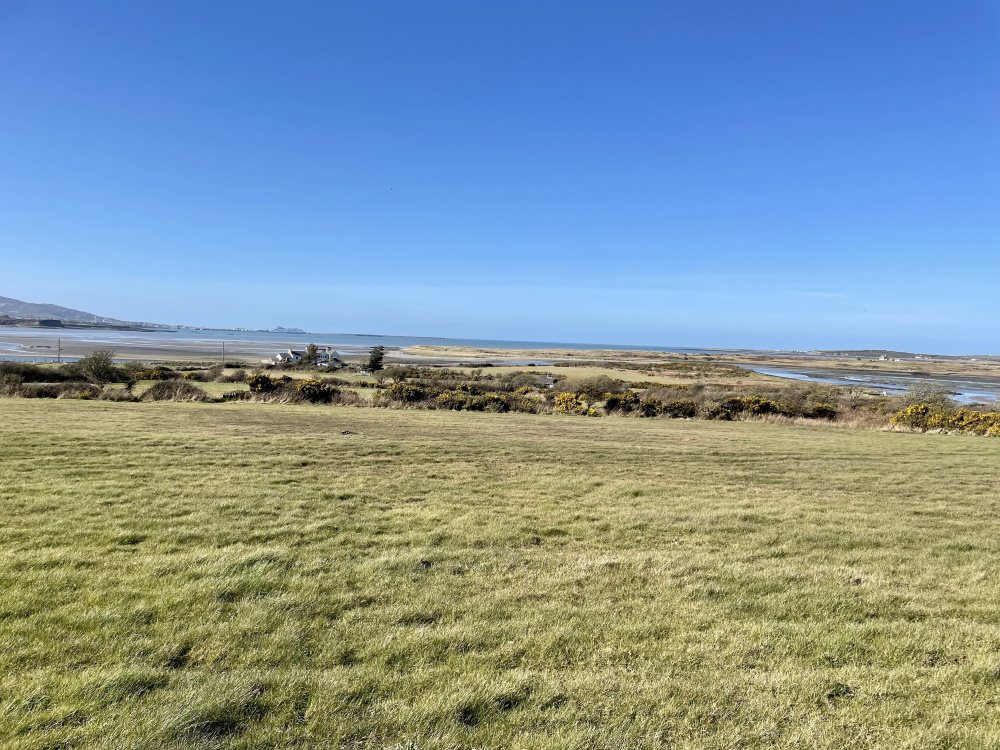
(248,576)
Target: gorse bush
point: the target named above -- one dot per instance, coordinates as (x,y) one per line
(569,403)
(651,407)
(621,402)
(261,383)
(823,411)
(929,417)
(157,374)
(966,420)
(491,402)
(754,406)
(679,408)
(404,392)
(315,391)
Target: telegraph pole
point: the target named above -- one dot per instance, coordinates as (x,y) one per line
(59,350)
(223,354)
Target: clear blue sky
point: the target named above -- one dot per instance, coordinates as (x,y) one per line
(766,174)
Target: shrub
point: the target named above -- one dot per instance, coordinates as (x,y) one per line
(59,390)
(398,373)
(622,402)
(569,403)
(454,400)
(39,390)
(678,409)
(117,394)
(927,417)
(175,390)
(10,383)
(493,402)
(261,383)
(25,372)
(404,392)
(823,411)
(966,420)
(315,391)
(157,374)
(524,404)
(914,415)
(82,391)
(750,405)
(934,395)
(99,366)
(596,389)
(651,406)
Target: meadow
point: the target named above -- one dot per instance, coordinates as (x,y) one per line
(241,575)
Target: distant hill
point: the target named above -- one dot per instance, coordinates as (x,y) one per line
(15,308)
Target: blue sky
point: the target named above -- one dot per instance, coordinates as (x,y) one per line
(699,173)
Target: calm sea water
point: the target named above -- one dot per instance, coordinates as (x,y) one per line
(13,341)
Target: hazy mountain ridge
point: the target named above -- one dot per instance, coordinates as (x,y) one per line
(15,308)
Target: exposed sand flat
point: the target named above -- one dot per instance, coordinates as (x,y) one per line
(474,354)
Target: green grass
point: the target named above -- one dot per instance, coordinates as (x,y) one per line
(247,576)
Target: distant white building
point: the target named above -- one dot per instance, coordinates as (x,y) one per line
(326,356)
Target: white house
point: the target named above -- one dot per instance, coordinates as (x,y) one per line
(326,356)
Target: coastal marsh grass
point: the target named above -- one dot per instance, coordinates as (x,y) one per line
(179,575)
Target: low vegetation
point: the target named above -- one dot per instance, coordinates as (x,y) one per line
(188,576)
(503,390)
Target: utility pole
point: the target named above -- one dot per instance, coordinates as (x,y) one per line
(223,354)
(59,350)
